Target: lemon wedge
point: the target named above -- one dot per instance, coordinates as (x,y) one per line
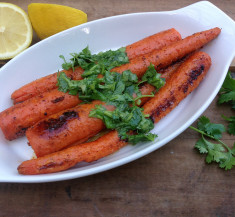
(15,30)
(49,19)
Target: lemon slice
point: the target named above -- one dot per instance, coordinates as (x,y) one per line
(49,19)
(15,30)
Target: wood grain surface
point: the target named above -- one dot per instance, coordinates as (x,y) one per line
(172,181)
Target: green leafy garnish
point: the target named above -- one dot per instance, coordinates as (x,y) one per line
(227,92)
(227,95)
(218,152)
(86,60)
(231,125)
(120,90)
(125,119)
(153,78)
(83,59)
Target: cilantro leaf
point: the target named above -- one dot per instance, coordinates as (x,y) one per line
(153,78)
(216,152)
(86,60)
(231,125)
(124,121)
(120,90)
(227,91)
(111,59)
(215,130)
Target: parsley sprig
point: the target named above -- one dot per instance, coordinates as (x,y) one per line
(218,152)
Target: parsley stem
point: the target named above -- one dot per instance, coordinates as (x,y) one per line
(212,137)
(142,96)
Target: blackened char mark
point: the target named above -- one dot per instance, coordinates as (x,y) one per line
(58,99)
(193,75)
(21,132)
(54,164)
(54,124)
(163,107)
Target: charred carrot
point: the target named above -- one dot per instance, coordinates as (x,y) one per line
(15,120)
(45,140)
(14,123)
(169,54)
(179,85)
(67,158)
(156,41)
(153,42)
(69,126)
(182,82)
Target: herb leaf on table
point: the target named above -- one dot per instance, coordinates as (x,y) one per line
(218,152)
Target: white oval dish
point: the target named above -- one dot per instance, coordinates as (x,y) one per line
(112,33)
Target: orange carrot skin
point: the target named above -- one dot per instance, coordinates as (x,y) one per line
(180,84)
(64,128)
(15,120)
(46,104)
(169,54)
(67,158)
(52,134)
(153,42)
(156,41)
(186,79)
(42,85)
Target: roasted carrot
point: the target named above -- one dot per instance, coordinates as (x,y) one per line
(15,120)
(42,85)
(156,41)
(67,158)
(169,54)
(181,83)
(14,123)
(69,126)
(47,141)
(153,42)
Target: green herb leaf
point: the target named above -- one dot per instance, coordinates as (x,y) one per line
(114,89)
(111,59)
(214,130)
(231,125)
(216,152)
(227,92)
(152,77)
(126,120)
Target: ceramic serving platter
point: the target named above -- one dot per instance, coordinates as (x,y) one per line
(111,33)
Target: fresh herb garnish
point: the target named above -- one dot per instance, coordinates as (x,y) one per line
(227,95)
(227,92)
(153,78)
(86,60)
(116,89)
(231,125)
(218,152)
(126,119)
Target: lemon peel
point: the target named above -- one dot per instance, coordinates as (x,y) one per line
(49,19)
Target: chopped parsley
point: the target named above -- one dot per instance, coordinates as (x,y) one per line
(86,60)
(99,83)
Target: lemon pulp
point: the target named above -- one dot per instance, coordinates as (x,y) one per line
(15,30)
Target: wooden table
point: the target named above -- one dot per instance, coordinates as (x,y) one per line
(172,181)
